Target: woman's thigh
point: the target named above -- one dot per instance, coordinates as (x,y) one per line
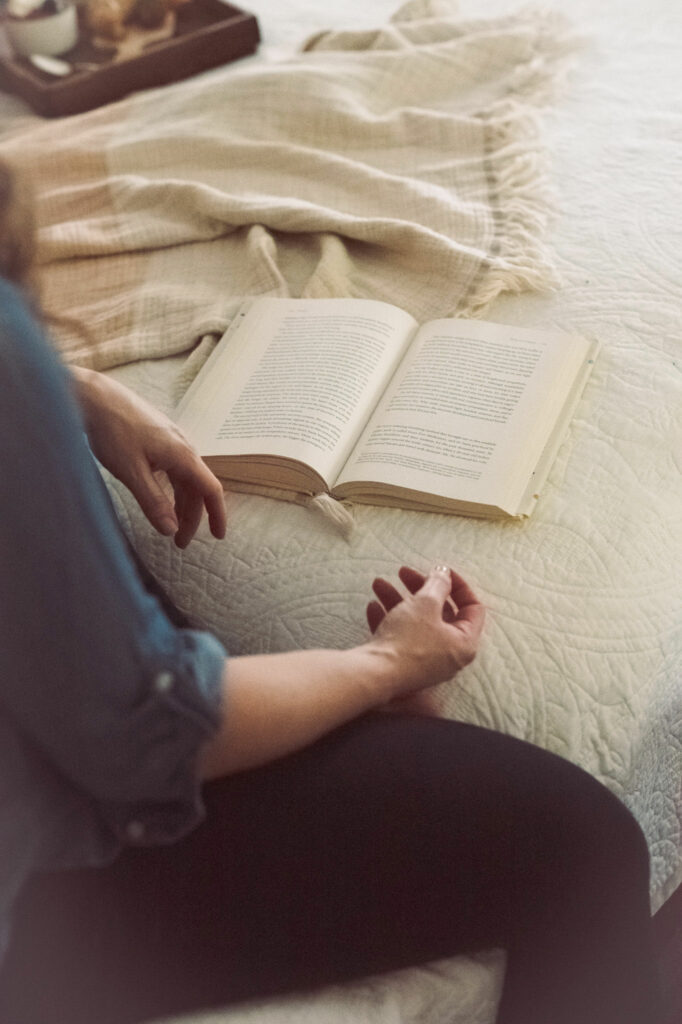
(393,841)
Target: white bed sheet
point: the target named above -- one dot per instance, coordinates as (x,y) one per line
(583,648)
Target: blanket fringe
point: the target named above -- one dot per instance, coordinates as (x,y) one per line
(338,514)
(523,203)
(335,512)
(517,167)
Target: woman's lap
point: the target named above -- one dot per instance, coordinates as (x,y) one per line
(391,842)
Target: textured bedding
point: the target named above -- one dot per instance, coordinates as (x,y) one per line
(583,647)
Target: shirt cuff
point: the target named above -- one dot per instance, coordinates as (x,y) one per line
(179,712)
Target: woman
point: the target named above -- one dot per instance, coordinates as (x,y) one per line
(180,830)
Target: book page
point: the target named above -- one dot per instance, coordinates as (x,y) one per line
(469,412)
(296,379)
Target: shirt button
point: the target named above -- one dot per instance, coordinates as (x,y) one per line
(163,681)
(135,831)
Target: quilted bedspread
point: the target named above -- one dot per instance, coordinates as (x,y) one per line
(583,648)
(582,652)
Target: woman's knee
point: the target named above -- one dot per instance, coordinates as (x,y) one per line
(580,828)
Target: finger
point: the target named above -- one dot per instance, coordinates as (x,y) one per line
(438,583)
(470,611)
(387,593)
(189,507)
(211,491)
(375,615)
(470,620)
(217,516)
(195,476)
(412,579)
(461,592)
(463,608)
(153,500)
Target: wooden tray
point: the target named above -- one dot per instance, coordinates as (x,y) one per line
(206,33)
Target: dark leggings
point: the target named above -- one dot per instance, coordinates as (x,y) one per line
(394,841)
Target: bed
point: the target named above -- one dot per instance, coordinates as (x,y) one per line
(583,647)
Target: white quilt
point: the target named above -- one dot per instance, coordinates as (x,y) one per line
(583,648)
(582,652)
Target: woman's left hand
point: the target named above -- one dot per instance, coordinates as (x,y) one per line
(144,449)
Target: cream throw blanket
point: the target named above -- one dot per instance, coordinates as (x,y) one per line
(401,164)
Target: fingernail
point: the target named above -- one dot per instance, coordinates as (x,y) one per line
(442,569)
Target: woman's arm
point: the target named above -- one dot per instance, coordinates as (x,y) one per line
(277,703)
(274,704)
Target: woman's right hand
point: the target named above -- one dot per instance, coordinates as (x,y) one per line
(429,633)
(278,703)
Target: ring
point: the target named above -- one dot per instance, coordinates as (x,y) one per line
(442,568)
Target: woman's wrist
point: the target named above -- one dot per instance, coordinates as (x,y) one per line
(274,704)
(388,672)
(87,389)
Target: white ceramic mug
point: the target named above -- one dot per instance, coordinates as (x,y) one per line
(51,35)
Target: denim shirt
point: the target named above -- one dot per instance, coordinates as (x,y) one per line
(104,703)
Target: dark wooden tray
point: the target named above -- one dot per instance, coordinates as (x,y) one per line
(207,33)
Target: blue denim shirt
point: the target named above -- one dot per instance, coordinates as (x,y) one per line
(103,702)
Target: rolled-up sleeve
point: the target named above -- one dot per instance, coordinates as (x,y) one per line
(128,737)
(110,694)
(149,785)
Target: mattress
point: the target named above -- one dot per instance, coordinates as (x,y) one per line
(582,652)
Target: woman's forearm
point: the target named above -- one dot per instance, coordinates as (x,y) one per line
(274,704)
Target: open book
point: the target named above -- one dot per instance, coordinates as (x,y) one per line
(352,397)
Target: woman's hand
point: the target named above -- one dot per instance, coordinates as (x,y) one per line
(144,450)
(277,703)
(430,633)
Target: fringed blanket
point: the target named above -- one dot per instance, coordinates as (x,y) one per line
(401,164)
